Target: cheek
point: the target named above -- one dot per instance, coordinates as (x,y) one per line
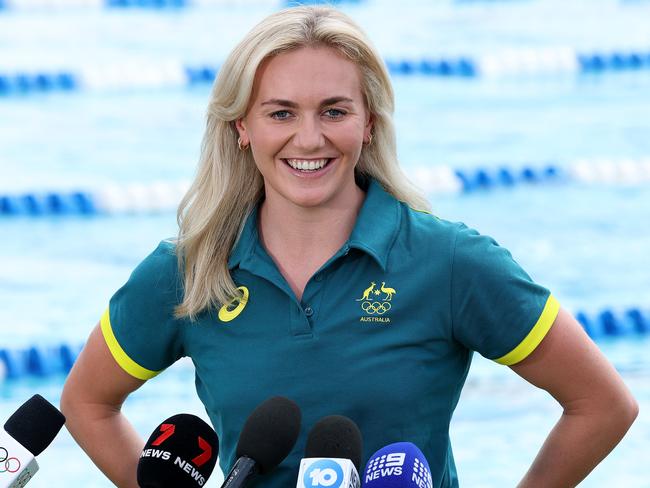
(347,134)
(267,142)
(349,139)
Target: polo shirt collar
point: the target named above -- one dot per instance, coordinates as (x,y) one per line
(374,231)
(377,224)
(247,239)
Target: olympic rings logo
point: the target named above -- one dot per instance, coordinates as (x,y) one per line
(6,466)
(378,308)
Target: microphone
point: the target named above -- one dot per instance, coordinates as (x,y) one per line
(268,436)
(180,453)
(332,455)
(26,434)
(398,465)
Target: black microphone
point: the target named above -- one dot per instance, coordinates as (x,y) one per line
(332,454)
(26,434)
(268,436)
(180,453)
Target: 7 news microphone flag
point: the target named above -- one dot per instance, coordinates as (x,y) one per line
(180,453)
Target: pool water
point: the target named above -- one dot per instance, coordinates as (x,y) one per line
(588,244)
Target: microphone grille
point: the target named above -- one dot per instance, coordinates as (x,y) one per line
(270,432)
(35,424)
(335,436)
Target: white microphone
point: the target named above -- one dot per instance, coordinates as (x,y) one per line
(25,435)
(332,455)
(327,473)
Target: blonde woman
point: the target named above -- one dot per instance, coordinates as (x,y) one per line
(307,266)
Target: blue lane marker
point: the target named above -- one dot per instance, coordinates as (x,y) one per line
(430,67)
(37,205)
(641,325)
(201,74)
(26,83)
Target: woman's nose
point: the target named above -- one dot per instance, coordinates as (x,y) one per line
(309,134)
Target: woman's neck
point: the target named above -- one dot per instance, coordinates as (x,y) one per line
(303,230)
(300,240)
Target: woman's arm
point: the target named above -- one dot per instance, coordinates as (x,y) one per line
(598,407)
(91,401)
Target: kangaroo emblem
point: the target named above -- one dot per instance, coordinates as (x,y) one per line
(388,291)
(367,292)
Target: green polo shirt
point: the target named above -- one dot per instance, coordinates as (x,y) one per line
(384,332)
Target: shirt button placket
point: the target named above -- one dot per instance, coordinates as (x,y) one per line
(309,311)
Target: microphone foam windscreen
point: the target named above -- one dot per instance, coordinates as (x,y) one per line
(398,465)
(335,436)
(270,432)
(35,424)
(181,452)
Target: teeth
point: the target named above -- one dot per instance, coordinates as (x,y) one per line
(307,165)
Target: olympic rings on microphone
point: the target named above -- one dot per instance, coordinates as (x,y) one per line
(378,308)
(4,459)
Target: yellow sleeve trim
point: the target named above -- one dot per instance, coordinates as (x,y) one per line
(127,364)
(535,336)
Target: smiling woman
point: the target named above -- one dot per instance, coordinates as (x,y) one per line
(298,211)
(306,133)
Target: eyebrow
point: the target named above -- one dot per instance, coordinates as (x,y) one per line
(290,104)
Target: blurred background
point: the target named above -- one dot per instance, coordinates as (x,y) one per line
(526,119)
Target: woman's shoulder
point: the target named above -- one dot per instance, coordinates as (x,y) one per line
(426,225)
(159,268)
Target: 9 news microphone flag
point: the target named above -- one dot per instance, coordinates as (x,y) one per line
(398,465)
(180,453)
(26,434)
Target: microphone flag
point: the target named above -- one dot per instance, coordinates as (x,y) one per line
(398,465)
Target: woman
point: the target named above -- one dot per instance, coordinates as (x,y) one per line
(307,266)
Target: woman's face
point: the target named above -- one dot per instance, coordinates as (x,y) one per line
(306,124)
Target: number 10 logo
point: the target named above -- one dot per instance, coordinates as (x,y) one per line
(324,473)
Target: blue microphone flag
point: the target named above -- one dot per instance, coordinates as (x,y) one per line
(398,465)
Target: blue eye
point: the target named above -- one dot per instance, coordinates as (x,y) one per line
(280,115)
(334,113)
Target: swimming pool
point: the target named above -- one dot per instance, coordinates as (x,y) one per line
(588,243)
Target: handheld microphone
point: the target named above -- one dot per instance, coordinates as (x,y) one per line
(180,453)
(398,465)
(268,436)
(26,434)
(332,455)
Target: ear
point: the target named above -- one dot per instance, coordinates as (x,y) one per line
(240,125)
(368,128)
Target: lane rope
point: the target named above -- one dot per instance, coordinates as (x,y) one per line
(161,197)
(128,75)
(56,361)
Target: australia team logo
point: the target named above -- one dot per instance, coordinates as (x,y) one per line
(376,302)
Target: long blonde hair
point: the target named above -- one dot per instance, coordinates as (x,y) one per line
(228,185)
